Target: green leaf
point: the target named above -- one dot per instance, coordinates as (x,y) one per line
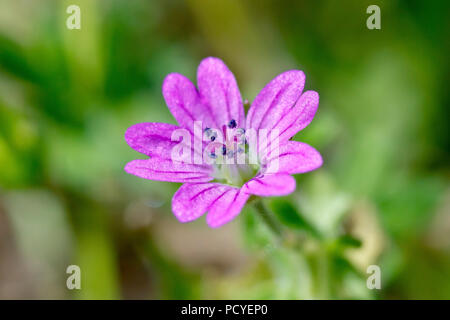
(349,241)
(289,216)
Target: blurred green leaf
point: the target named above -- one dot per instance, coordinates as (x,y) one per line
(289,216)
(348,241)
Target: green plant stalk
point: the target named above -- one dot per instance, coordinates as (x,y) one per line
(268,218)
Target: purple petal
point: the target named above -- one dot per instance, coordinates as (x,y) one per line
(275,99)
(184,102)
(299,116)
(279,184)
(294,157)
(192,200)
(294,119)
(219,90)
(168,170)
(226,207)
(153,139)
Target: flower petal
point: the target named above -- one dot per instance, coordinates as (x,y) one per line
(168,170)
(154,139)
(226,207)
(220,92)
(275,98)
(192,200)
(267,185)
(294,157)
(184,102)
(299,117)
(293,120)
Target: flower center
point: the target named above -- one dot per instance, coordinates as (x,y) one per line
(231,157)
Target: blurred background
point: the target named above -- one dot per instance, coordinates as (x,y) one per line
(382,196)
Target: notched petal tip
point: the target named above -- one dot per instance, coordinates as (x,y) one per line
(307,105)
(174,85)
(210,61)
(173,77)
(293,75)
(211,66)
(311,97)
(133,132)
(276,184)
(215,224)
(318,160)
(128,168)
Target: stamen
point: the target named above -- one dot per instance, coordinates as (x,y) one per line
(232,124)
(234,147)
(240,135)
(211,134)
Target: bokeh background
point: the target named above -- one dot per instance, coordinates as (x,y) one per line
(382,196)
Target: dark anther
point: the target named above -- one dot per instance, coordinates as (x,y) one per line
(224,150)
(232,124)
(211,134)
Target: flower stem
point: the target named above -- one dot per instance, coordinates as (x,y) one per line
(267,217)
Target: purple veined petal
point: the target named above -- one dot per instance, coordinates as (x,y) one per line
(294,157)
(192,200)
(278,96)
(155,139)
(299,117)
(267,185)
(184,102)
(168,170)
(219,90)
(296,119)
(226,207)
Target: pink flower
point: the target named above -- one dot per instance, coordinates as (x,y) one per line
(222,190)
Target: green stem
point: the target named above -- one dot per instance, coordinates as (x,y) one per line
(267,217)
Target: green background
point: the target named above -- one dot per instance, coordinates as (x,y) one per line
(382,196)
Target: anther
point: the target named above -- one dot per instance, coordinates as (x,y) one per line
(232,124)
(210,134)
(212,155)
